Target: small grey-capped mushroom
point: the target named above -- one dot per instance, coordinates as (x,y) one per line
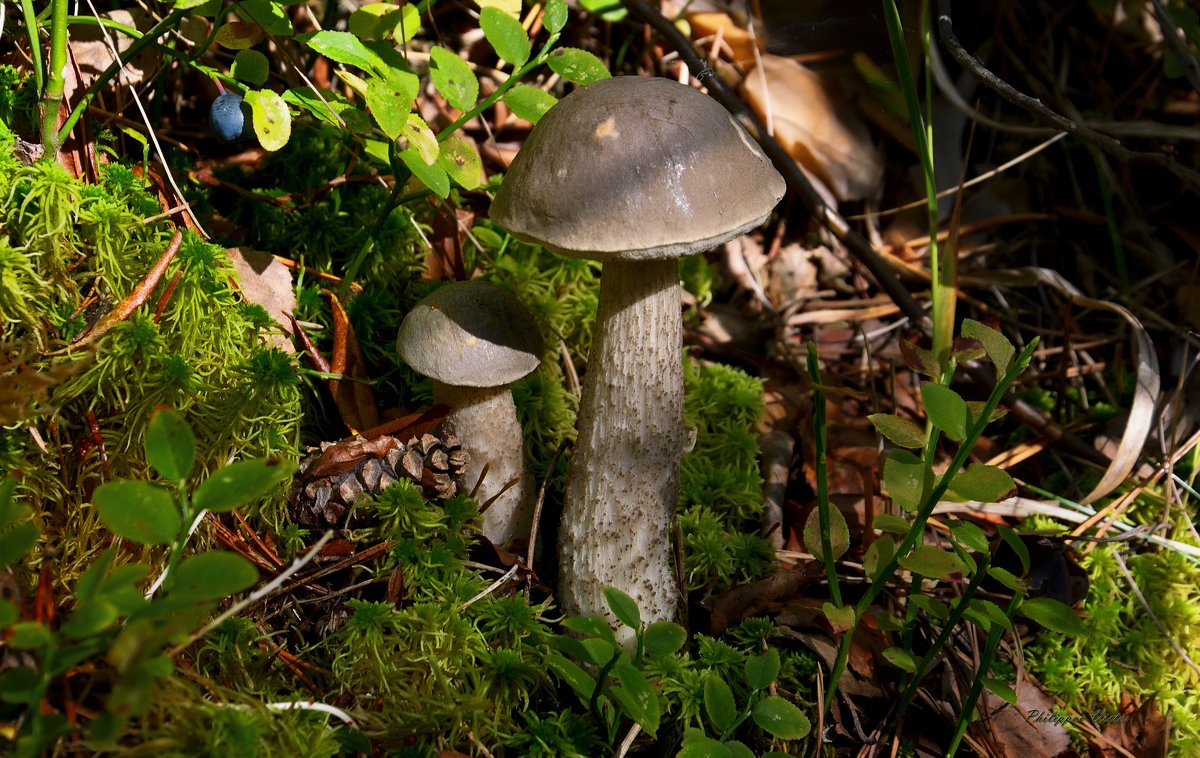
(634,172)
(474,339)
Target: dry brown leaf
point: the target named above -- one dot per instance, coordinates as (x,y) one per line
(802,110)
(267,282)
(1023,732)
(1143,731)
(710,24)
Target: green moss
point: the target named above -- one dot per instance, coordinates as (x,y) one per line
(1124,651)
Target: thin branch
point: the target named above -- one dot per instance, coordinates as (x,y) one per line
(1176,40)
(976,69)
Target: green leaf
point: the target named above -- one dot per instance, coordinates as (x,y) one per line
(932,562)
(904,478)
(697,744)
(390,101)
(19,685)
(342,47)
(664,638)
(15,543)
(460,161)
(90,618)
(376,21)
(718,703)
(89,582)
(920,360)
(637,697)
(138,511)
(623,607)
(511,7)
(10,510)
(978,608)
(762,669)
(506,35)
(528,102)
(421,138)
(578,66)
(738,750)
(272,121)
(998,348)
(1053,615)
(268,15)
(170,444)
(555,16)
(891,524)
(977,407)
(878,555)
(839,534)
(971,536)
(569,672)
(901,659)
(1016,544)
(212,576)
(433,177)
(966,349)
(609,10)
(987,484)
(932,607)
(841,619)
(900,431)
(250,66)
(593,626)
(1008,579)
(240,483)
(239,35)
(947,410)
(781,718)
(29,635)
(453,77)
(1001,690)
(329,110)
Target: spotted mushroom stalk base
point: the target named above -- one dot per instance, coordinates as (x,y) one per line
(623,483)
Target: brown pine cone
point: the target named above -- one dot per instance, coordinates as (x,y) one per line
(334,476)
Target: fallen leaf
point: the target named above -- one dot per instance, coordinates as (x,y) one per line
(1028,731)
(802,112)
(710,24)
(265,281)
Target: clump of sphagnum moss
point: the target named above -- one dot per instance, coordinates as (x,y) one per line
(72,252)
(1125,651)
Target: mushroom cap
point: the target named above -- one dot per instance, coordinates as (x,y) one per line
(470,334)
(633,168)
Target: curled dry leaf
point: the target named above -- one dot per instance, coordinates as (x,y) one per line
(802,110)
(737,42)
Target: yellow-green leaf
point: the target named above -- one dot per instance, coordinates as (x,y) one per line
(461,162)
(272,121)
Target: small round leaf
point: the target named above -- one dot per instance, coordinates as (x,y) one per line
(250,66)
(506,35)
(240,483)
(577,66)
(272,121)
(138,511)
(664,638)
(212,576)
(528,102)
(453,77)
(782,719)
(762,669)
(170,444)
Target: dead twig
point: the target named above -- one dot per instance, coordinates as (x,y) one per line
(1108,144)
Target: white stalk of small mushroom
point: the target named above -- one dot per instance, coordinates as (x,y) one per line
(473,339)
(484,419)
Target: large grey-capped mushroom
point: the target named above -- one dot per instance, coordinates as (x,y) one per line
(474,339)
(634,172)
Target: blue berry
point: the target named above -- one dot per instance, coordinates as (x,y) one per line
(226,117)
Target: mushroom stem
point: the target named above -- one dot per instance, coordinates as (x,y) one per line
(485,420)
(616,528)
